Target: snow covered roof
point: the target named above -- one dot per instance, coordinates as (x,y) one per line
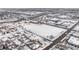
(73,40)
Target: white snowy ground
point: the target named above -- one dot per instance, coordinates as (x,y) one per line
(44,30)
(77,28)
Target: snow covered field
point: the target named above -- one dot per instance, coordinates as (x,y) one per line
(77,28)
(44,30)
